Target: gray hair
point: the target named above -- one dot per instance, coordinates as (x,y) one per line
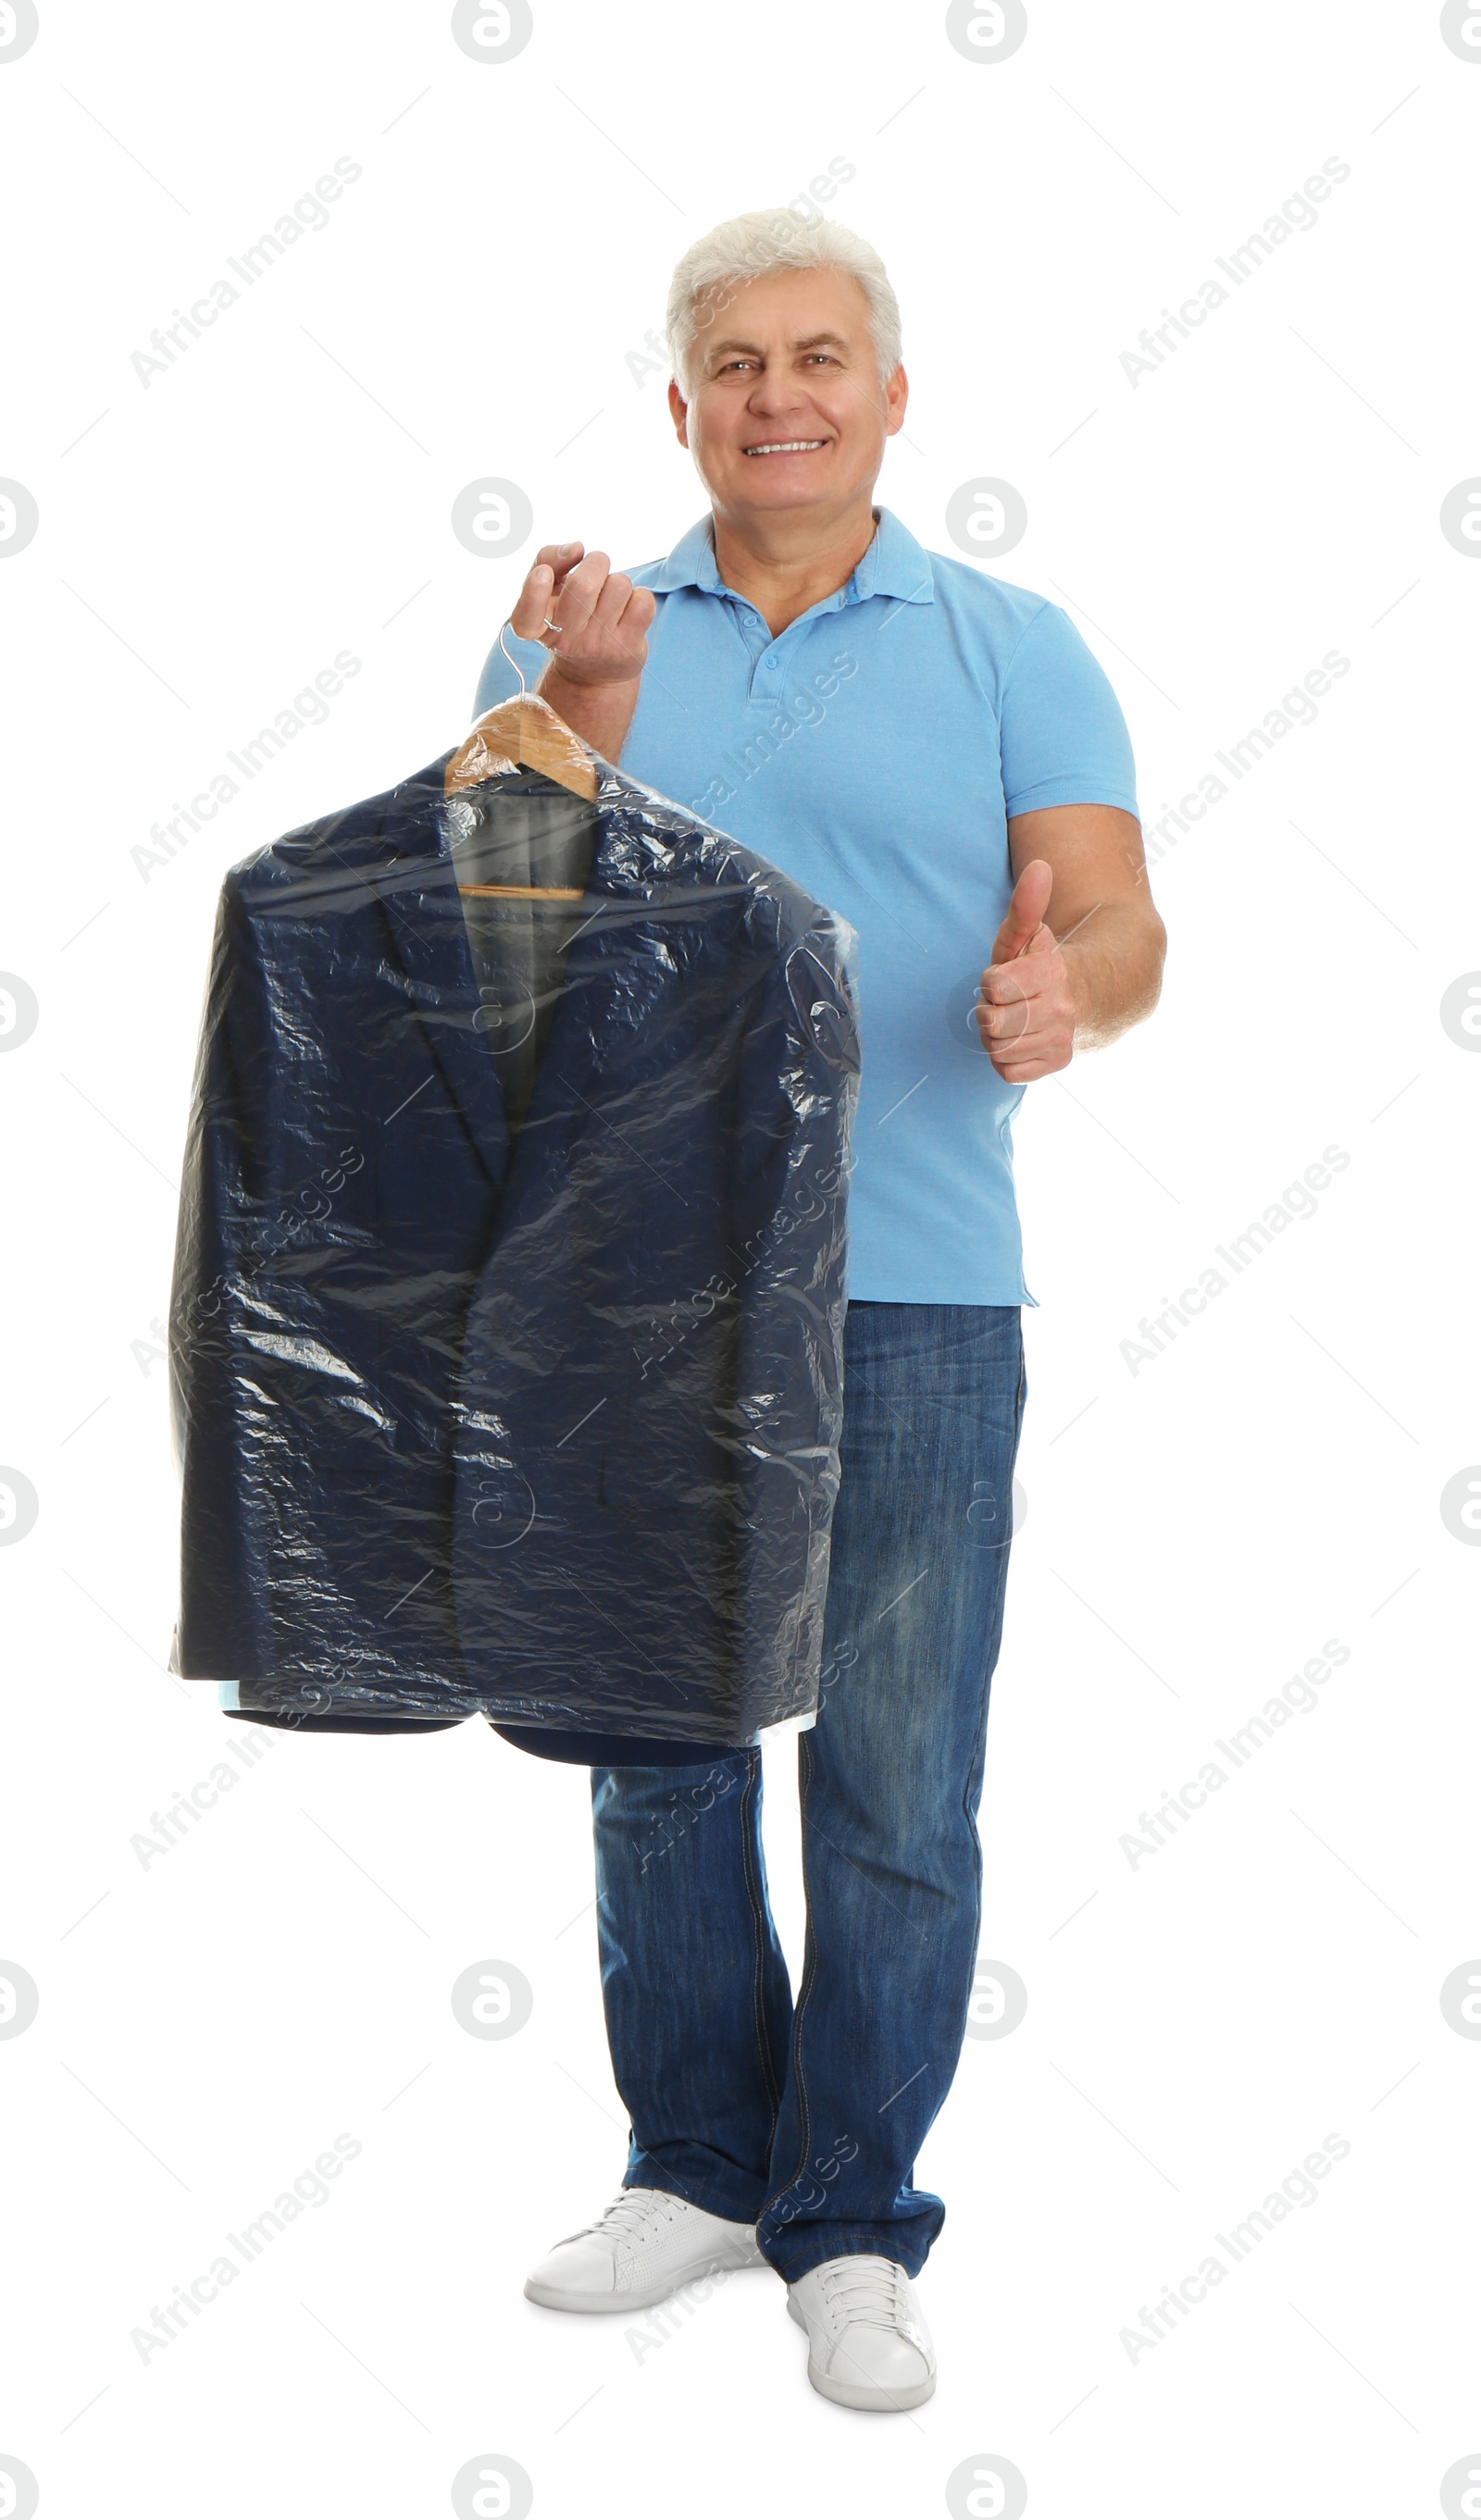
(764,240)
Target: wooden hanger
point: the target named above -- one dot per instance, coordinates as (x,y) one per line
(522,732)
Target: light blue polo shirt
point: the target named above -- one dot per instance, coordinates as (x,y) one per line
(875,753)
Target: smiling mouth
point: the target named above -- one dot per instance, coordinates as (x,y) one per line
(787,446)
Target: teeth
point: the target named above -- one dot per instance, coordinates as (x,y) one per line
(787,446)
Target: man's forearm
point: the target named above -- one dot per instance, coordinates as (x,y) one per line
(599,713)
(1114,960)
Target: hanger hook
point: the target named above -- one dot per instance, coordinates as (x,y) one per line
(513,661)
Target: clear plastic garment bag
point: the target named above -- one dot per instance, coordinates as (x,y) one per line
(507,1321)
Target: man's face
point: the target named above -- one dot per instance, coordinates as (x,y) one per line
(787,410)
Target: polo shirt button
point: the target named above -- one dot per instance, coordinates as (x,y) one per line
(771,664)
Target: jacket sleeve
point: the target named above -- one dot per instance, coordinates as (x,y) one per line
(790,1187)
(219,1410)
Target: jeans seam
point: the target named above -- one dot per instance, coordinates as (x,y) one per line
(987,1680)
(804,1992)
(759,2009)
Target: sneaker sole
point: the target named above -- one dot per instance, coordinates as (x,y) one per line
(551,2297)
(864,2397)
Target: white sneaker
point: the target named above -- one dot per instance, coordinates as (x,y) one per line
(867,2344)
(645,2246)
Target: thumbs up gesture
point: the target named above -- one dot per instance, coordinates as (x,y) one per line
(1026,1015)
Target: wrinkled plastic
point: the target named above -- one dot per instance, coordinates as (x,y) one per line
(535,1417)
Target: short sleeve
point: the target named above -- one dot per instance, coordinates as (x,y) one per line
(1063,737)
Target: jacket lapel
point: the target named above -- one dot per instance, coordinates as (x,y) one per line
(626,871)
(639,856)
(652,862)
(417,887)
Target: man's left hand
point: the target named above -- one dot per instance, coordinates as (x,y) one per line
(1027,1012)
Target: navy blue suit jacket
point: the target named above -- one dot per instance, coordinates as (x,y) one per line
(540,1425)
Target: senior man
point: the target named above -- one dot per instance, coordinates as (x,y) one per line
(935,754)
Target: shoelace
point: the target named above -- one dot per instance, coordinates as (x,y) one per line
(865,2291)
(631,2210)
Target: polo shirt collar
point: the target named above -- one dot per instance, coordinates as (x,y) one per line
(895,565)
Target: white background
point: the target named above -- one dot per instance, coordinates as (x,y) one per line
(1195,1529)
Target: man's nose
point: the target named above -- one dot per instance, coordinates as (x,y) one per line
(774,393)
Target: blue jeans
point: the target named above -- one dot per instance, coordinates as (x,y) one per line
(806,2118)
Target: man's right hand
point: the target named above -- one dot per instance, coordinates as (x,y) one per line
(604,617)
(596,663)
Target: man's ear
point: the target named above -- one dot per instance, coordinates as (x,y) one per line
(679,408)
